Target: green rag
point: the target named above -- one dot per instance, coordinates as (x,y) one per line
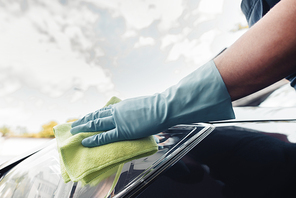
(92,165)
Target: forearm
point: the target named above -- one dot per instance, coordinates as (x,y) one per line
(263,55)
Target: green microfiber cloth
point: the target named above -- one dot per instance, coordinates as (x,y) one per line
(92,165)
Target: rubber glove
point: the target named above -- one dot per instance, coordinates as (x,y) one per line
(199,97)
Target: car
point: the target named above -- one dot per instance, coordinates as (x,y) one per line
(251,156)
(234,158)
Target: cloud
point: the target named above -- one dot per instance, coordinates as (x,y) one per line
(211,6)
(9,116)
(144,41)
(174,38)
(166,11)
(46,49)
(9,81)
(197,50)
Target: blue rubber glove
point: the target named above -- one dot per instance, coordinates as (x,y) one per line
(199,97)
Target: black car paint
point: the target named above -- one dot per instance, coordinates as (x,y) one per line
(232,162)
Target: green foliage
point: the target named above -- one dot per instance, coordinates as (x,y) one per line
(5,131)
(47,130)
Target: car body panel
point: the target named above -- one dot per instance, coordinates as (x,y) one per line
(223,164)
(40,175)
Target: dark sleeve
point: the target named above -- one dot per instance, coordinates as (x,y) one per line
(254,10)
(292,79)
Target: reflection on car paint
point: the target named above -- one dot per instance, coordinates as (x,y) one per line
(239,159)
(40,175)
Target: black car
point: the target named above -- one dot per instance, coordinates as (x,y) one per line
(240,158)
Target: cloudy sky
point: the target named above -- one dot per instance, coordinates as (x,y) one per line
(63,59)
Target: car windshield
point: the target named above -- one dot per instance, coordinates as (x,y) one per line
(40,174)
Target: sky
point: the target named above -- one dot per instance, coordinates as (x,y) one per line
(63,59)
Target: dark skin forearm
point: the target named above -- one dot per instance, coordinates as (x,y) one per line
(263,55)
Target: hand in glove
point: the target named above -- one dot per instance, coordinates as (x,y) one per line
(199,97)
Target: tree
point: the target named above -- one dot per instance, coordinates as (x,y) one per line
(47,130)
(5,131)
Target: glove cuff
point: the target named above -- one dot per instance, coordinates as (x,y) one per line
(199,97)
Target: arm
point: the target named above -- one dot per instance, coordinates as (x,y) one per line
(263,55)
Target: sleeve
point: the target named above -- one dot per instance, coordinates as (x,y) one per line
(292,79)
(254,10)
